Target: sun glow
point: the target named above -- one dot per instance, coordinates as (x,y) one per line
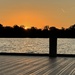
(37,13)
(26,27)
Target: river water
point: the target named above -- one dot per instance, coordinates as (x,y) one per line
(35,45)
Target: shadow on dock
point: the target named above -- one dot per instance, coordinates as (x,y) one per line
(32,54)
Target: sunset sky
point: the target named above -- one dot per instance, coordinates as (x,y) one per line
(38,13)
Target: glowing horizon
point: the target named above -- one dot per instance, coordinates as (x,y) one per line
(37,13)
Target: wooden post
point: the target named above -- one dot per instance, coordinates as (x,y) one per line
(53,47)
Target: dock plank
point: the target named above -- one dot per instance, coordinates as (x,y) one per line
(36,65)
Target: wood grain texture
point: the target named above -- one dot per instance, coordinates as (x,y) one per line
(36,65)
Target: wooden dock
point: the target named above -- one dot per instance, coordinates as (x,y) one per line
(36,65)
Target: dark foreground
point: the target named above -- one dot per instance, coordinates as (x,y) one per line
(36,65)
(35,54)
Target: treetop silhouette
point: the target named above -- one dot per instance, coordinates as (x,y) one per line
(46,32)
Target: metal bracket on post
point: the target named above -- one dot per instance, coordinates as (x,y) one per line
(53,47)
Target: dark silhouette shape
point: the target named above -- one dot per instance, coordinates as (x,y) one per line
(53,47)
(47,32)
(33,32)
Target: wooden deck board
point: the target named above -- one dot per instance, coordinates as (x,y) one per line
(36,65)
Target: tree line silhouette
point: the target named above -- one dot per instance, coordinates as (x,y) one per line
(33,32)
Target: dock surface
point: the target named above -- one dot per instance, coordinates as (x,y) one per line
(36,65)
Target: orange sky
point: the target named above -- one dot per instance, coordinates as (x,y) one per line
(38,13)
